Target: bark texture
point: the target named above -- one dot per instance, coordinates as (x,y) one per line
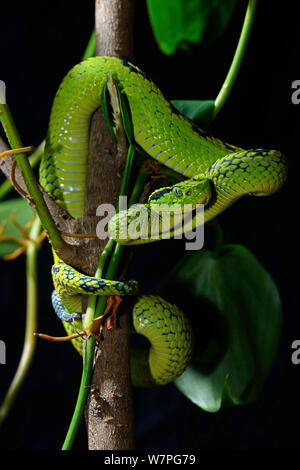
(109,412)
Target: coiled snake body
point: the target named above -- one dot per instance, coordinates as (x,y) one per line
(217,174)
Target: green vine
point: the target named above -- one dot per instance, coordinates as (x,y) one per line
(237,59)
(31,320)
(33,188)
(34,159)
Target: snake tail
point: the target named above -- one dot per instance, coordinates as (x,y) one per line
(69,320)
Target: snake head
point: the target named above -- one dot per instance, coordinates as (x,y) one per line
(165,210)
(192,191)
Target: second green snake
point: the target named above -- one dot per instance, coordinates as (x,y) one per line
(217,174)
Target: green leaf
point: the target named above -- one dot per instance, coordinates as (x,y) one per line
(200,112)
(126,117)
(107,110)
(24,214)
(235,310)
(178,23)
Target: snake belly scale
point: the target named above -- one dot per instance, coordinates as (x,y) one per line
(216,175)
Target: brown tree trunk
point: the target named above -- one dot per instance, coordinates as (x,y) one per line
(109,413)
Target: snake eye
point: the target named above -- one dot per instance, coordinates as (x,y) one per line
(188,193)
(177,191)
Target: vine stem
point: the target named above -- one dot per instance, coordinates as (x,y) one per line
(33,188)
(237,59)
(34,159)
(31,321)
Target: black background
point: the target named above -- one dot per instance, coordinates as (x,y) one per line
(39,43)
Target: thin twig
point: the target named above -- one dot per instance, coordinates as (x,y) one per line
(31,321)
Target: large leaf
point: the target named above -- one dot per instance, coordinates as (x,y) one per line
(236,313)
(178,23)
(201,112)
(24,214)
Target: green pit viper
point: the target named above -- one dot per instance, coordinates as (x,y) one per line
(216,175)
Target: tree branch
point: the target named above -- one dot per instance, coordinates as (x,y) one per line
(109,410)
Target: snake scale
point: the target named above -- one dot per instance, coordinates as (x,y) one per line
(216,175)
